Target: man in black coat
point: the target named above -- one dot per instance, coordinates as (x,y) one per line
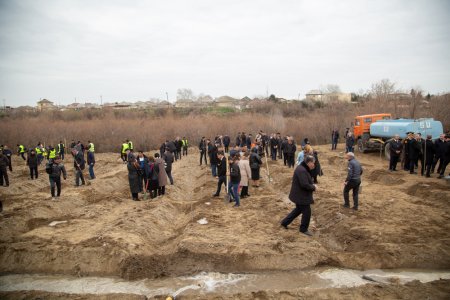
(168,158)
(445,156)
(221,172)
(226,143)
(203,147)
(289,152)
(395,152)
(439,145)
(4,163)
(429,154)
(302,195)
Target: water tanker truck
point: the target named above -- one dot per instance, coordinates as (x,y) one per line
(373,132)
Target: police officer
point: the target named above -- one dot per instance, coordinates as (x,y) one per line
(185,143)
(123,151)
(21,151)
(61,149)
(51,153)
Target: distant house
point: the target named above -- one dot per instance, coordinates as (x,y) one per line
(314,95)
(75,106)
(317,95)
(25,108)
(45,104)
(227,101)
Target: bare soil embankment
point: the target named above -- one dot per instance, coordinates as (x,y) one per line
(402,223)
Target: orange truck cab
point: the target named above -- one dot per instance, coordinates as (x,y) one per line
(361,126)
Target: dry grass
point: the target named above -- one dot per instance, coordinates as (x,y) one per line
(149,128)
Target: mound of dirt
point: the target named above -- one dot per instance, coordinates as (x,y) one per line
(385,178)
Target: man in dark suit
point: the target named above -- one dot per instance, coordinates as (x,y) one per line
(395,152)
(302,195)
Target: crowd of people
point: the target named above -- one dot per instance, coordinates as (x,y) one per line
(52,157)
(415,149)
(236,165)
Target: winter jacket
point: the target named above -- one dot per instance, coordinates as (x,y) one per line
(4,161)
(302,186)
(79,162)
(56,170)
(212,152)
(162,175)
(32,160)
(134,178)
(354,170)
(245,171)
(222,167)
(226,141)
(396,146)
(235,173)
(439,147)
(169,159)
(255,161)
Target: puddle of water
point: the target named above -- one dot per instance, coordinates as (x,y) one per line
(204,283)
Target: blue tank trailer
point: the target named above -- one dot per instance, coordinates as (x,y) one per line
(382,131)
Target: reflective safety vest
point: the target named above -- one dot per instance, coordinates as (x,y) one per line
(125,147)
(91,147)
(38,150)
(130,145)
(21,149)
(60,148)
(185,143)
(52,154)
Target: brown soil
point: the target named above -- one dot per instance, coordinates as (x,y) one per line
(403,222)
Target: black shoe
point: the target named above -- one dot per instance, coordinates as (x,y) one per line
(354,208)
(284,226)
(346,206)
(428,176)
(215,195)
(308,233)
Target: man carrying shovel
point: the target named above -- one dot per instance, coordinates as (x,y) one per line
(79,164)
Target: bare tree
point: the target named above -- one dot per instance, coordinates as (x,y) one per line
(382,91)
(185,94)
(416,99)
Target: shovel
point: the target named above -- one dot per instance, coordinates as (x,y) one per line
(146,190)
(227,197)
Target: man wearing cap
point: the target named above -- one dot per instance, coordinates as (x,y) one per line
(406,146)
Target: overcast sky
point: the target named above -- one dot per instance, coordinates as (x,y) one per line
(137,50)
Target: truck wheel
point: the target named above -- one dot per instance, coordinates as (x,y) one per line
(361,147)
(387,151)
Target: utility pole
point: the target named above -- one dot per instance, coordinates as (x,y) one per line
(101,100)
(167,96)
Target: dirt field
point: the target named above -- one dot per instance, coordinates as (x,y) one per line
(403,222)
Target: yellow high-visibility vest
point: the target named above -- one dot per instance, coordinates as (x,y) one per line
(52,154)
(125,147)
(91,147)
(38,150)
(21,149)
